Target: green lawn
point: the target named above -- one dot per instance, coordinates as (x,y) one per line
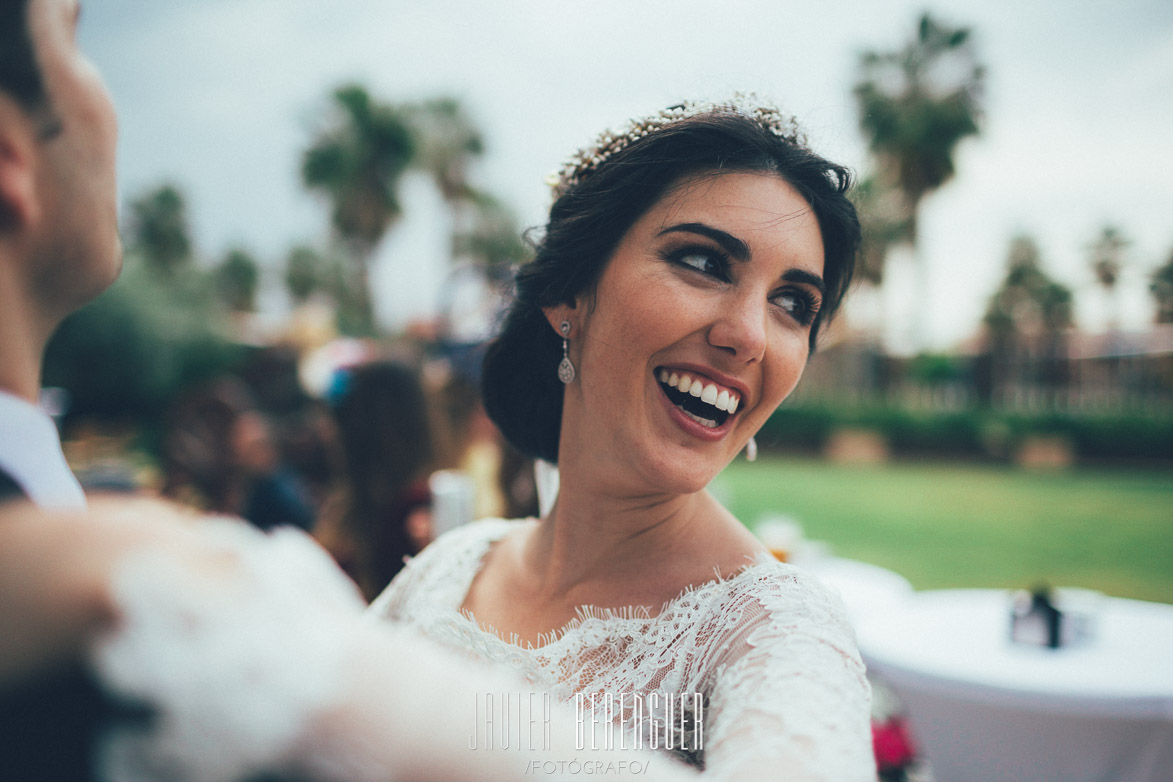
(961,525)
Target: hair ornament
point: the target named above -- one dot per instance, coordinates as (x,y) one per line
(580,165)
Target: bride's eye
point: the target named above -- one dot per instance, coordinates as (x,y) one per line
(703,260)
(798,304)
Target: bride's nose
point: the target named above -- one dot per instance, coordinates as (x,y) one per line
(741,329)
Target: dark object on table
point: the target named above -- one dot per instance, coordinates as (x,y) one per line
(1054,618)
(1035,619)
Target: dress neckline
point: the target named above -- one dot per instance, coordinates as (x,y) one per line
(584,614)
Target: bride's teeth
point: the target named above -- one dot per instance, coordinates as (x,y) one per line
(709,393)
(702,421)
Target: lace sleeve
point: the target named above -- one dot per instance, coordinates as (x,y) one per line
(790,699)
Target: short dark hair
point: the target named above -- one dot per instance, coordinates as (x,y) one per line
(20,76)
(521,390)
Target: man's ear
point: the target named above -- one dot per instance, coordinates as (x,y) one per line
(18,146)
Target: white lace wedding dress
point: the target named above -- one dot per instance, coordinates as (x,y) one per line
(768,649)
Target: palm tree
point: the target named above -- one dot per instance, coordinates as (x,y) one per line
(237,278)
(158,230)
(916,105)
(1107,259)
(356,161)
(489,247)
(1162,290)
(1029,308)
(447,141)
(883,225)
(492,241)
(1029,302)
(306,273)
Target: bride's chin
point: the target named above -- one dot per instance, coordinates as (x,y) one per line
(686,473)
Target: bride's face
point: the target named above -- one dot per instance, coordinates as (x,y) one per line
(697,330)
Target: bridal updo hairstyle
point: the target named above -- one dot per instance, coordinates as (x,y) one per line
(522,393)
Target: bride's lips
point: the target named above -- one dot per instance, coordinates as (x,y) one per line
(713,399)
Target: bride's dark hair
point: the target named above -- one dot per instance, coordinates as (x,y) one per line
(522,393)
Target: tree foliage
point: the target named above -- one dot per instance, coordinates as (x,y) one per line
(158,229)
(356,162)
(306,273)
(883,223)
(128,353)
(1028,302)
(1161,286)
(492,242)
(446,141)
(1107,256)
(916,104)
(155,331)
(237,278)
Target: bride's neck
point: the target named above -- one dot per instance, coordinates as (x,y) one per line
(594,533)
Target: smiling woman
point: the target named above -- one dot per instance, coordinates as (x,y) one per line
(674,299)
(688,265)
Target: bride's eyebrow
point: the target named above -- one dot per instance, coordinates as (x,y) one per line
(800,275)
(729,243)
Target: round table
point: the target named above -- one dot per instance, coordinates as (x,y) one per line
(865,588)
(983,708)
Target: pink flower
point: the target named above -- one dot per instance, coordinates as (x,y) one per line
(892,744)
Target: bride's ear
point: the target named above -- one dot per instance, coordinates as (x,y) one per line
(559,314)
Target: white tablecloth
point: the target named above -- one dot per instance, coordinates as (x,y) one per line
(865,588)
(983,708)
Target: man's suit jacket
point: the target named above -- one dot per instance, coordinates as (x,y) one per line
(9,489)
(49,725)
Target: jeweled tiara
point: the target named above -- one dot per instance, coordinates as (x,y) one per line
(580,165)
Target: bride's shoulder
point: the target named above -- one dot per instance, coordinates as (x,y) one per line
(441,572)
(768,590)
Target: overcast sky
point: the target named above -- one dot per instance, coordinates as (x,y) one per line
(219,97)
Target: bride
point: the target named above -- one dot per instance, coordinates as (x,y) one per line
(689,262)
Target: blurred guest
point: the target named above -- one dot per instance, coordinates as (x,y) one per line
(380,512)
(502,477)
(308,445)
(300,427)
(219,456)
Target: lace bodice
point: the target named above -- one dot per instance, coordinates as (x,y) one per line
(768,649)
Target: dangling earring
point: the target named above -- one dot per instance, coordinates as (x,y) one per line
(565,368)
(751,450)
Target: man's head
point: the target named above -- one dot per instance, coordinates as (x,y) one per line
(58,132)
(20,78)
